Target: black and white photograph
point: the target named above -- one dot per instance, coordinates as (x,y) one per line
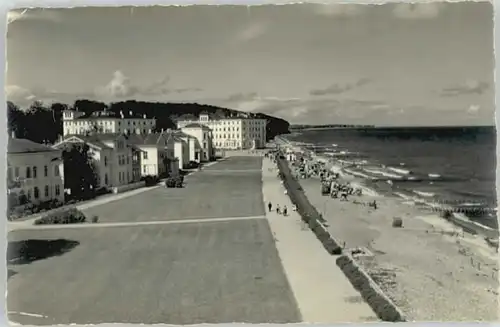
(294,163)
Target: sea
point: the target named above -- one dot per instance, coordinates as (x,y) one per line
(454,166)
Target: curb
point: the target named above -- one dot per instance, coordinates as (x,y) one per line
(382,305)
(326,239)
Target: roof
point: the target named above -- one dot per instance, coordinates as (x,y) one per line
(27,146)
(147,139)
(96,140)
(196,125)
(112,115)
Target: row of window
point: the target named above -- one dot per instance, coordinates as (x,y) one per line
(235,136)
(121,177)
(107,122)
(31,172)
(46,192)
(123,159)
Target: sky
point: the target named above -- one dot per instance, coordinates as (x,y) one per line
(392,64)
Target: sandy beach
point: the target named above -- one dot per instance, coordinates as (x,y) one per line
(431,268)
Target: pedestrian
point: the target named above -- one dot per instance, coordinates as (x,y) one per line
(285,210)
(278,209)
(270,206)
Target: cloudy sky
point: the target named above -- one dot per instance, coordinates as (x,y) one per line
(393,64)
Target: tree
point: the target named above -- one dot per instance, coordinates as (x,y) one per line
(42,123)
(80,174)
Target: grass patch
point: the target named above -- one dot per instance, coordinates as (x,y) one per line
(65,216)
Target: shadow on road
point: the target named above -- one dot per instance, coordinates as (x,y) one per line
(27,251)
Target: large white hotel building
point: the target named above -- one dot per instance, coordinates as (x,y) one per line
(78,123)
(234,132)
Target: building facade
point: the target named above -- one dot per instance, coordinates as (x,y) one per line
(34,172)
(158,153)
(203,149)
(233,133)
(106,122)
(115,159)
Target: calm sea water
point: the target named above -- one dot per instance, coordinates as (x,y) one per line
(452,165)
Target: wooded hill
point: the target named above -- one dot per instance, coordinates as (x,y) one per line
(43,123)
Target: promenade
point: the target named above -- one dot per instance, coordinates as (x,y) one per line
(202,254)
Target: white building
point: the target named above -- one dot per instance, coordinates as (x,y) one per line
(35,171)
(115,159)
(203,150)
(233,133)
(158,153)
(186,147)
(79,123)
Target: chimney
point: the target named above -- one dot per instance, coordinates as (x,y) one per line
(144,116)
(13,134)
(121,114)
(130,113)
(162,130)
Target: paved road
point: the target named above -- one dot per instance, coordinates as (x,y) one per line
(207,194)
(213,272)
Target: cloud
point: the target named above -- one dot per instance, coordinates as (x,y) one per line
(469,87)
(121,86)
(417,10)
(339,9)
(339,88)
(41,14)
(16,93)
(309,109)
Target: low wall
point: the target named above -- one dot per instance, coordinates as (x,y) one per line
(383,307)
(307,211)
(128,187)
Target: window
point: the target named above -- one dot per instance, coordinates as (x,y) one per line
(105,161)
(16,171)
(29,194)
(46,191)
(106,179)
(128,160)
(56,171)
(58,190)
(144,169)
(145,155)
(128,176)
(45,171)
(28,172)
(36,192)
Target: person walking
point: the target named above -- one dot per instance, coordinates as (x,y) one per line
(285,211)
(270,206)
(278,209)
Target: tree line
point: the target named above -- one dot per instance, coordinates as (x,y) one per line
(43,123)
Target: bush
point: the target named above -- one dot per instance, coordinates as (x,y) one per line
(95,219)
(65,216)
(382,307)
(102,191)
(151,180)
(332,247)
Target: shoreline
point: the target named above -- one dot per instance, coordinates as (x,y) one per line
(418,266)
(491,235)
